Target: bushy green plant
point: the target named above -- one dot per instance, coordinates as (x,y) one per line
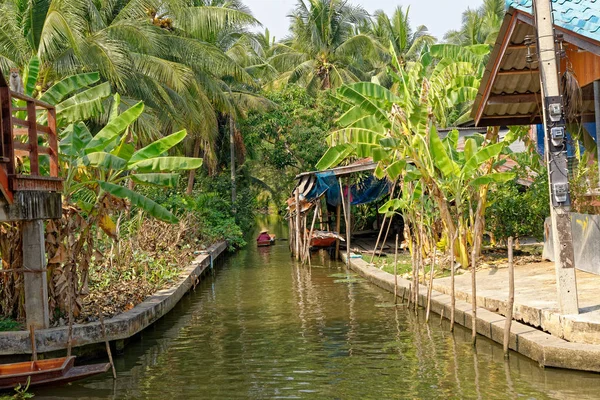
(518,211)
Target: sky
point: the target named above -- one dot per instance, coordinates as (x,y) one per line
(438,15)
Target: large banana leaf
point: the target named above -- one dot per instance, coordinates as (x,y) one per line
(31,75)
(68,85)
(75,138)
(440,156)
(496,177)
(103,160)
(167,179)
(114,128)
(335,155)
(83,106)
(158,147)
(166,164)
(151,207)
(482,155)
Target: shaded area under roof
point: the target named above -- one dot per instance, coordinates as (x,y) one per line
(509,93)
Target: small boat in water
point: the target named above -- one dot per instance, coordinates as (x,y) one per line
(323,239)
(44,372)
(265,239)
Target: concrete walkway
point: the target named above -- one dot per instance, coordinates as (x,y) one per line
(535,299)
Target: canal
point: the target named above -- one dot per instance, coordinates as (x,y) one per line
(264,327)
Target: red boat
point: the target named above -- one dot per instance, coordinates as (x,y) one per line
(42,372)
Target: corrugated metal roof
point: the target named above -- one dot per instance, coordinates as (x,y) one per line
(579,16)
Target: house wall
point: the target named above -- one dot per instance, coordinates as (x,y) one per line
(586,65)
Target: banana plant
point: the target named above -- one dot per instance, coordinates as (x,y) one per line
(100,166)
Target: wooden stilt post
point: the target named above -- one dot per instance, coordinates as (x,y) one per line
(396,272)
(312,227)
(110,359)
(298,238)
(430,288)
(346,220)
(33,346)
(349,221)
(511,296)
(338,226)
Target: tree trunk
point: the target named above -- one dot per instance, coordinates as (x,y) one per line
(192,175)
(232,157)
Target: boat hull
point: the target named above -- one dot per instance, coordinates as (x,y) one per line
(44,372)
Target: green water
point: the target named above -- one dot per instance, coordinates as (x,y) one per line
(264,327)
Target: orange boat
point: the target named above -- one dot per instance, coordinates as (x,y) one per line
(43,372)
(321,239)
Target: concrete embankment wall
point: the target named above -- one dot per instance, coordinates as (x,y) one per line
(120,327)
(547,350)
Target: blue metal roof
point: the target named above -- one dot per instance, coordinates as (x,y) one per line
(579,16)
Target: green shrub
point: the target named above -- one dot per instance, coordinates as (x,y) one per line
(518,211)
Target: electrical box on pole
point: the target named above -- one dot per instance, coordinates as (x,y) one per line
(556,157)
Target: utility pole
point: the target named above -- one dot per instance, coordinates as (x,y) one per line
(556,157)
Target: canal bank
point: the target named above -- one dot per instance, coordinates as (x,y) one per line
(89,339)
(540,346)
(266,326)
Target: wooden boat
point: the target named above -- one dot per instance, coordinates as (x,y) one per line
(264,243)
(323,239)
(43,372)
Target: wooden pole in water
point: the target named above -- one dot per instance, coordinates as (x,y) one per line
(452,294)
(396,272)
(346,220)
(338,226)
(33,347)
(349,220)
(298,239)
(312,227)
(474,296)
(110,359)
(511,296)
(430,286)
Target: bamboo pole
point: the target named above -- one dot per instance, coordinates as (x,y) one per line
(349,221)
(110,359)
(312,227)
(338,226)
(33,346)
(396,272)
(346,220)
(511,296)
(381,227)
(474,296)
(387,232)
(298,239)
(452,294)
(70,335)
(430,288)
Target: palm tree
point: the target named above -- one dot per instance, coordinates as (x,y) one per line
(397,32)
(479,26)
(324,49)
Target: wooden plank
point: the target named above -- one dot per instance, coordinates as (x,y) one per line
(24,149)
(497,99)
(346,170)
(511,72)
(20,122)
(53,142)
(31,99)
(6,129)
(34,162)
(5,186)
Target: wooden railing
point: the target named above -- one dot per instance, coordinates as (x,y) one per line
(24,139)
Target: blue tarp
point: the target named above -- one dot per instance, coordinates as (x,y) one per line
(366,191)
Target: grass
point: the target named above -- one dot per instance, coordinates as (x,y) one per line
(9,324)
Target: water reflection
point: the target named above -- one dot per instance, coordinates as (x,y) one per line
(267,327)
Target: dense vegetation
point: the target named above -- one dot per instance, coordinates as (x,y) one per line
(151,92)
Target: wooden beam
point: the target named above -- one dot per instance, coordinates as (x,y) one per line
(6,131)
(34,162)
(520,46)
(511,72)
(519,98)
